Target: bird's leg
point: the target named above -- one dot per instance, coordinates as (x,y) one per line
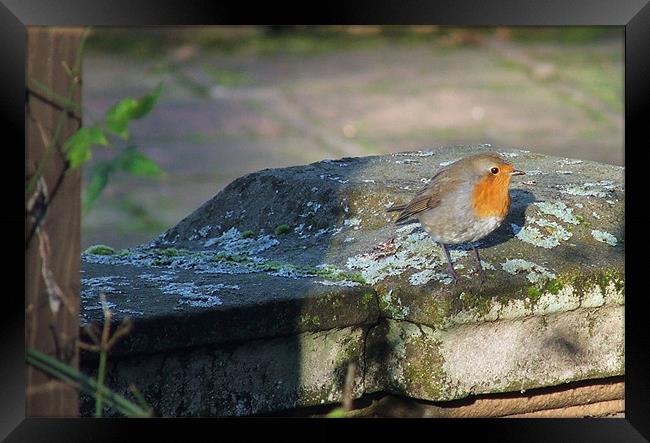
(479,267)
(452,273)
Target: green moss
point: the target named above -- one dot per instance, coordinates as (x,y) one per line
(326,272)
(124,253)
(438,310)
(161,262)
(351,352)
(233,258)
(282,229)
(533,293)
(477,302)
(384,303)
(247,234)
(308,321)
(553,286)
(99,250)
(172,252)
(331,273)
(583,283)
(424,375)
(367,297)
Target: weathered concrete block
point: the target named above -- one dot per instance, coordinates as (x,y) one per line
(284,254)
(247,378)
(502,356)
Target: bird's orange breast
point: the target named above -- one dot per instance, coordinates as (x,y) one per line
(490,197)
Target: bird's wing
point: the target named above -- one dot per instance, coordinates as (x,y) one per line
(430,197)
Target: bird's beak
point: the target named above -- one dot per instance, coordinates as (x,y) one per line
(516,172)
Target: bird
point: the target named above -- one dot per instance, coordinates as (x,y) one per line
(463,203)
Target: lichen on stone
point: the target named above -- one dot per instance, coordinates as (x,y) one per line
(557,209)
(232,242)
(598,189)
(393,307)
(536,274)
(604,237)
(555,233)
(567,161)
(414,249)
(423,277)
(194,295)
(347,283)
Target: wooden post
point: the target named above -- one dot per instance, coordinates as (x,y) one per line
(51,53)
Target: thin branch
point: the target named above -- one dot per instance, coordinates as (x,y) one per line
(87,347)
(54,104)
(124,330)
(103,351)
(41,215)
(92,333)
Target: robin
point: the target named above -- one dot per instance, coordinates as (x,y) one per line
(463,203)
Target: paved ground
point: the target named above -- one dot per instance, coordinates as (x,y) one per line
(225,114)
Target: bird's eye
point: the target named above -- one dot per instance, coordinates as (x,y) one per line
(494,171)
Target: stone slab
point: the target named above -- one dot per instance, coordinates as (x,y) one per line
(310,249)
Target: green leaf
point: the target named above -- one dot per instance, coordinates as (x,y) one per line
(119,116)
(134,162)
(336,413)
(77,146)
(98,179)
(146,103)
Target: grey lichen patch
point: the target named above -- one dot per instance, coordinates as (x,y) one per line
(232,242)
(171,252)
(99,250)
(558,209)
(412,249)
(535,273)
(604,237)
(93,287)
(568,161)
(602,189)
(423,277)
(256,264)
(197,295)
(392,306)
(547,235)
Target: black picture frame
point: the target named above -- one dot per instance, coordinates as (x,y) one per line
(634,15)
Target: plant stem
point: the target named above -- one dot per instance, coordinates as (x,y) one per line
(68,374)
(101,373)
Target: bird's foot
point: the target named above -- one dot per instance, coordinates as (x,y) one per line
(453,275)
(481,275)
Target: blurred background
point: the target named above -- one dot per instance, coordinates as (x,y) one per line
(235,100)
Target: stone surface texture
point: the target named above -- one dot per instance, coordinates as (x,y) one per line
(258,300)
